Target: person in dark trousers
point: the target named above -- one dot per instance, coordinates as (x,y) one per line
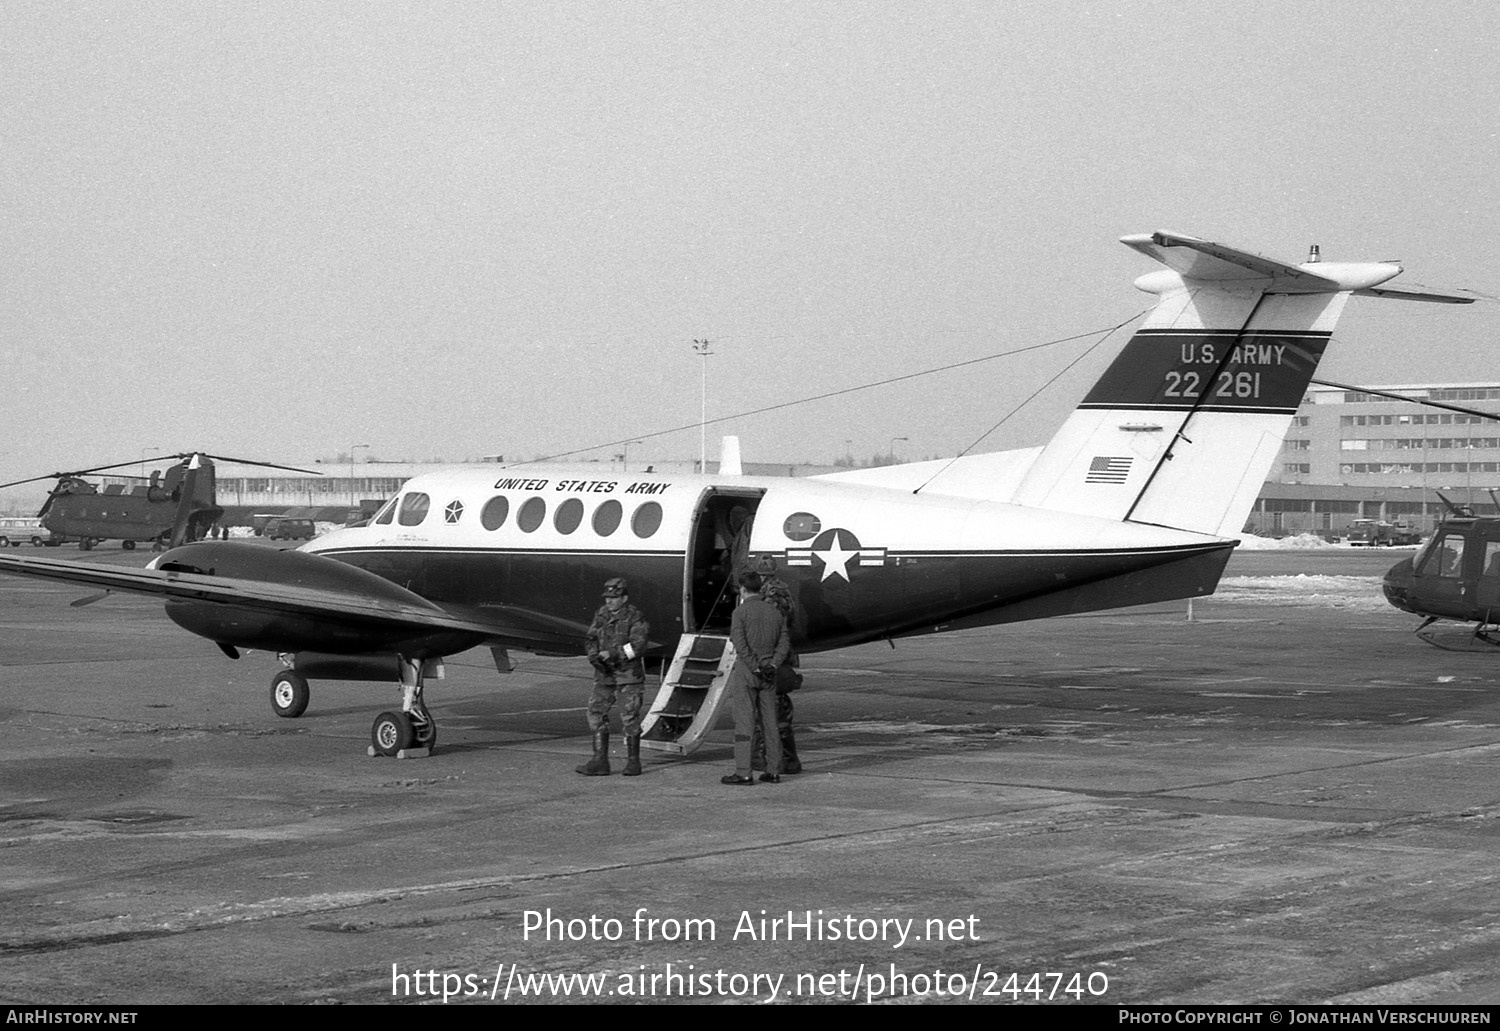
(616,640)
(761,644)
(774,590)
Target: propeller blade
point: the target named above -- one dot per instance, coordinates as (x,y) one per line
(185,502)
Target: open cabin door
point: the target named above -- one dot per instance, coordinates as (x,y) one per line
(717,548)
(692,693)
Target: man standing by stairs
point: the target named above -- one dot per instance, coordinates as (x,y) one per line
(761,643)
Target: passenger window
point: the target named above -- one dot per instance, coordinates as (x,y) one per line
(607,518)
(414,509)
(569,515)
(1491,558)
(492,517)
(531,514)
(647,519)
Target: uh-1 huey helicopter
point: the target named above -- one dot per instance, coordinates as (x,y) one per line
(166,509)
(1455,577)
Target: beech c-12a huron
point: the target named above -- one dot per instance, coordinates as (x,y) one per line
(1137,499)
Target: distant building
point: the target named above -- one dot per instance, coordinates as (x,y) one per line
(1352,454)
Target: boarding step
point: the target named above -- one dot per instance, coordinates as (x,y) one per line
(687,706)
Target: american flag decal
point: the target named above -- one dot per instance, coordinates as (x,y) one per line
(1108,470)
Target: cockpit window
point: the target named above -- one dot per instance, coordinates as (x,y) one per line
(1443,557)
(387,511)
(414,508)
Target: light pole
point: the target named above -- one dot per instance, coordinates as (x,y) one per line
(352,449)
(702,348)
(625,455)
(893,447)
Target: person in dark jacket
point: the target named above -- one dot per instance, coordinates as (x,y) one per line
(616,640)
(761,644)
(775,590)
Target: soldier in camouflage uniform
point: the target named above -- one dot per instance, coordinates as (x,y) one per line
(775,591)
(616,641)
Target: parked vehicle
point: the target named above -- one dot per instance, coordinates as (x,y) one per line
(1377,533)
(291,530)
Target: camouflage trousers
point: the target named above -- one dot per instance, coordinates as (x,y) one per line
(784,734)
(605,693)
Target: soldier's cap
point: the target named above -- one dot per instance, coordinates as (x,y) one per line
(616,587)
(765,565)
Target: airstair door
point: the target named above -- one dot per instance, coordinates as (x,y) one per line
(692,693)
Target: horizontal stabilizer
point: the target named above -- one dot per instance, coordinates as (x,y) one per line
(1193,258)
(1213,263)
(1413,295)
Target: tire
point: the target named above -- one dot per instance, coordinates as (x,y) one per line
(391,732)
(4,541)
(128,545)
(289,694)
(36,542)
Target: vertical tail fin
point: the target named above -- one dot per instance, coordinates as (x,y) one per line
(1184,425)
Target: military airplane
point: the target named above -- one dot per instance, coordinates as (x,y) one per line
(164,509)
(1135,500)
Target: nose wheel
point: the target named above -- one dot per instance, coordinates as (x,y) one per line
(289,694)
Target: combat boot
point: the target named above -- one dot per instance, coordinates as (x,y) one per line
(632,755)
(789,761)
(598,766)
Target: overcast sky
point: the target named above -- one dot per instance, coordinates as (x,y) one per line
(449,230)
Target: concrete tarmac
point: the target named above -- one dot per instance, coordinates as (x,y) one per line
(1287,799)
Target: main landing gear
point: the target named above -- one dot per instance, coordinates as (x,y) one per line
(412,732)
(407,733)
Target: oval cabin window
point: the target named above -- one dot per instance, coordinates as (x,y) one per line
(569,515)
(647,519)
(531,514)
(492,516)
(607,518)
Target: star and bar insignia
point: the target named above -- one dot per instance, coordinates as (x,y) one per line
(835,549)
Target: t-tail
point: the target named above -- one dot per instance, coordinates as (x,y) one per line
(1183,427)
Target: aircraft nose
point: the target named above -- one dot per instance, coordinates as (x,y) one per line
(1398,584)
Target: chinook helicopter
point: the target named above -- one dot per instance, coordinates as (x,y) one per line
(165,509)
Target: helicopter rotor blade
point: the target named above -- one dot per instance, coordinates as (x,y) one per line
(1414,400)
(246,461)
(157,458)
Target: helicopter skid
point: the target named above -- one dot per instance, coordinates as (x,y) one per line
(1460,638)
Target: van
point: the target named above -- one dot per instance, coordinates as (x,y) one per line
(291,530)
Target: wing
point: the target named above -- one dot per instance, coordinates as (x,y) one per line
(375,606)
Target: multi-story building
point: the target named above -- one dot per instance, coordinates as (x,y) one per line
(1352,454)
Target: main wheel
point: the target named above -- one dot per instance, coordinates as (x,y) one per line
(391,732)
(289,694)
